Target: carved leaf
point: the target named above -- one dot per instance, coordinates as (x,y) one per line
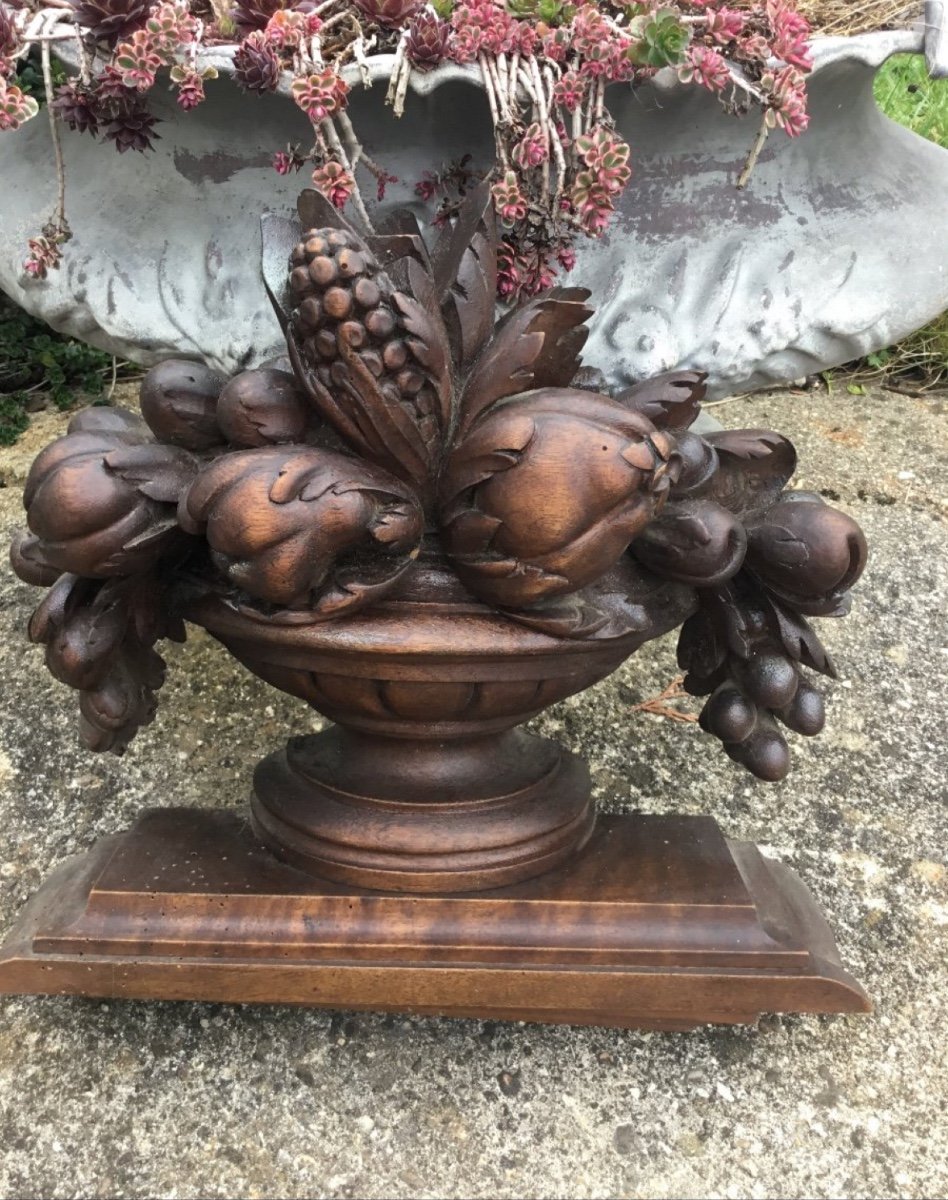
(701,652)
(159,472)
(755,466)
(317,212)
(626,601)
(313,511)
(400,241)
(278,237)
(465,271)
(428,344)
(800,641)
(536,346)
(669,401)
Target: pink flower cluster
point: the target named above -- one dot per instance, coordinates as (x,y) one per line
(335,183)
(791,34)
(139,59)
(320,96)
(787,95)
(15,106)
(606,172)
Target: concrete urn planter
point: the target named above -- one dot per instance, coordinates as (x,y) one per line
(829,253)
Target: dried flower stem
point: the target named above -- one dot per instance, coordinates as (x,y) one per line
(357,152)
(54,134)
(754,153)
(332,137)
(400,53)
(555,142)
(544,121)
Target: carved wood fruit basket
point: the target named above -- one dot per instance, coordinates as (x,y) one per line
(423,783)
(430,525)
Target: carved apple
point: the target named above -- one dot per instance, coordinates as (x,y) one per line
(546,492)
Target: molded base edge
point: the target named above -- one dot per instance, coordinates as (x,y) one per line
(658,923)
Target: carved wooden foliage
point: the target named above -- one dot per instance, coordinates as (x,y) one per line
(536,346)
(465,274)
(304,528)
(669,401)
(754,467)
(545,493)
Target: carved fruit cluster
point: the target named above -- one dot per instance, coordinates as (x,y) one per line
(409,413)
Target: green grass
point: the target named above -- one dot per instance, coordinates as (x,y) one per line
(905,93)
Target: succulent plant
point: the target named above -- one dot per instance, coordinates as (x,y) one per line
(111,20)
(257,66)
(132,128)
(78,106)
(390,14)
(427,42)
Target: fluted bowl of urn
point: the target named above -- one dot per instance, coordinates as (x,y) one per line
(429,525)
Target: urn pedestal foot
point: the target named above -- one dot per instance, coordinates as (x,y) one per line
(658,922)
(423,814)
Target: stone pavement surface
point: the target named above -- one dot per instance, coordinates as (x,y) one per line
(195,1100)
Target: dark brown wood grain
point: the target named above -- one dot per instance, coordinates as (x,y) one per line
(431,528)
(657,923)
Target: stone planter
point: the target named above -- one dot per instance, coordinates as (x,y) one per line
(831,251)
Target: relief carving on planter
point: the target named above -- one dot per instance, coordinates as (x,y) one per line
(412,422)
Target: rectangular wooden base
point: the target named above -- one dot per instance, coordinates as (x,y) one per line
(658,923)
